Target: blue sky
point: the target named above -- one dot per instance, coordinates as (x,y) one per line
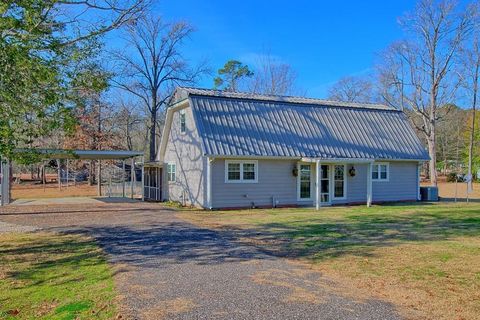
(322,40)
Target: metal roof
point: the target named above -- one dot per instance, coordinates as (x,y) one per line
(237,124)
(85,154)
(184,92)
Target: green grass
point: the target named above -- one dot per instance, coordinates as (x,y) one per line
(54,276)
(423,257)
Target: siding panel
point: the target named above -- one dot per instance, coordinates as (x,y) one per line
(185,150)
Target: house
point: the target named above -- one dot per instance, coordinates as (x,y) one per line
(229,149)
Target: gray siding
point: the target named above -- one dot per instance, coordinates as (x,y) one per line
(275,179)
(184,149)
(402,184)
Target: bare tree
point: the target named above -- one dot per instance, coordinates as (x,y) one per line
(470,60)
(154,66)
(352,89)
(273,77)
(421,67)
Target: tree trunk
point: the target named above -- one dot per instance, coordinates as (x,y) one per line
(432,152)
(472,132)
(153,135)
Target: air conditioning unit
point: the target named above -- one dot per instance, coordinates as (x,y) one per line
(429,193)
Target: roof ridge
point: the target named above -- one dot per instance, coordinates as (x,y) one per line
(283,98)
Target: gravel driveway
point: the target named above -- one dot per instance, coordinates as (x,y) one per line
(168,268)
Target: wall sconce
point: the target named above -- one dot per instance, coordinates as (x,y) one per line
(352,171)
(295,171)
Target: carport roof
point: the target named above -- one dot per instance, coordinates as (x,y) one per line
(86,154)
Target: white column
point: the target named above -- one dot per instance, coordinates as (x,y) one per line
(143,178)
(318,199)
(123,178)
(369,184)
(209,183)
(132,177)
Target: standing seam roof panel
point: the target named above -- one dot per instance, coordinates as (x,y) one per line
(245,127)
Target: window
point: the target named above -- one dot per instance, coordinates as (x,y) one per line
(183,125)
(241,171)
(380,172)
(172,172)
(339,181)
(305,181)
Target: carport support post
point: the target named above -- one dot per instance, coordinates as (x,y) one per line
(99,178)
(123,178)
(59,175)
(132,175)
(143,178)
(369,184)
(67,173)
(317,185)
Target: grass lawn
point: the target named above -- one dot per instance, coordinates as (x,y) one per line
(423,258)
(53,276)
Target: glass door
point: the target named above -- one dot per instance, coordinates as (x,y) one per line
(305,182)
(325,184)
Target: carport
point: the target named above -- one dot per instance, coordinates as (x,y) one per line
(68,155)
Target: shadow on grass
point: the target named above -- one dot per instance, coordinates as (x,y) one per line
(50,259)
(358,234)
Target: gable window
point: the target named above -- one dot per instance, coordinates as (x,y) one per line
(339,181)
(183,124)
(380,172)
(245,171)
(172,172)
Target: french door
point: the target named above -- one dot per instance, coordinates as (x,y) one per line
(306,182)
(332,182)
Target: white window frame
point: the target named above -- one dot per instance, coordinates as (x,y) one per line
(378,164)
(312,185)
(183,121)
(169,165)
(241,162)
(332,182)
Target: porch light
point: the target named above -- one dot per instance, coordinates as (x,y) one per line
(295,171)
(352,171)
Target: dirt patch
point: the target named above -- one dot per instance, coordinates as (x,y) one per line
(448,190)
(301,290)
(51,190)
(168,308)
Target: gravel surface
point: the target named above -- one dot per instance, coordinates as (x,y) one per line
(11,227)
(168,268)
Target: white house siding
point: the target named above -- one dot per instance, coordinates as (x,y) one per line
(275,179)
(184,149)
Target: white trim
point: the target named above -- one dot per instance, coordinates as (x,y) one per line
(332,182)
(241,163)
(209,183)
(378,164)
(168,125)
(369,185)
